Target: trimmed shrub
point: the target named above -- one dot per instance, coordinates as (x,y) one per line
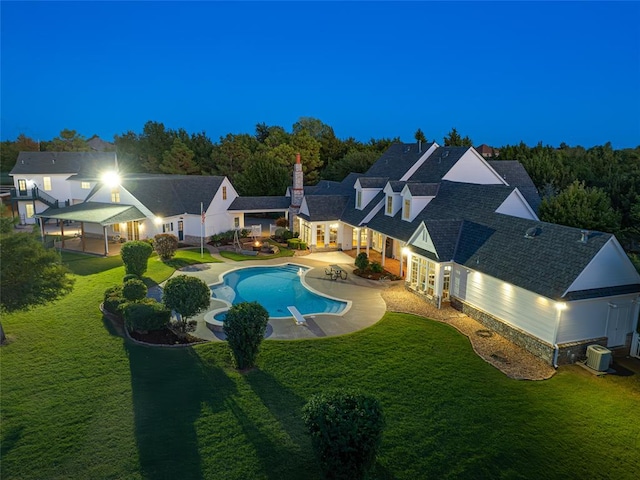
(245,325)
(165,245)
(145,316)
(362,261)
(113,299)
(135,255)
(346,431)
(282,222)
(188,296)
(130,276)
(134,290)
(376,267)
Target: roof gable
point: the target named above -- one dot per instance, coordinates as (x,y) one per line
(516,206)
(473,168)
(87,164)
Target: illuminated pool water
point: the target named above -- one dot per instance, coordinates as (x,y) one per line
(275,288)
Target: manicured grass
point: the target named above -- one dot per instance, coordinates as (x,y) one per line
(237,257)
(80,402)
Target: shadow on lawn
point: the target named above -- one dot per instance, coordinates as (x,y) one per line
(170,386)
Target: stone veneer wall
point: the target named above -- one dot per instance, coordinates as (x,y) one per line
(423,296)
(521,338)
(576,351)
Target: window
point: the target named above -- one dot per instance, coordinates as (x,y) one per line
(446,282)
(320,235)
(115,195)
(431,278)
(406,213)
(85,185)
(46,183)
(167,227)
(22,185)
(359,199)
(116,227)
(29,210)
(236,222)
(389,205)
(224,193)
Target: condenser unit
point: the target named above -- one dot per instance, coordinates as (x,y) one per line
(598,358)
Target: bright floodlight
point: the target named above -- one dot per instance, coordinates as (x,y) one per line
(111,179)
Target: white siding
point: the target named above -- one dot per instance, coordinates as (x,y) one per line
(471,168)
(587,319)
(516,206)
(512,305)
(610,267)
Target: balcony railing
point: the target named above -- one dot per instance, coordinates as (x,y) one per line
(34,194)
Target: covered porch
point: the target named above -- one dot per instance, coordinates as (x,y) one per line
(85,227)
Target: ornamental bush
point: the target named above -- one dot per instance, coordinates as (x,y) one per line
(129,276)
(144,316)
(113,299)
(135,255)
(134,290)
(188,296)
(376,267)
(245,325)
(362,261)
(165,245)
(282,222)
(346,432)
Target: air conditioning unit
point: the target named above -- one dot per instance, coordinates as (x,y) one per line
(598,358)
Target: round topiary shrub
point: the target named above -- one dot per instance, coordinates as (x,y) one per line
(134,290)
(376,267)
(187,296)
(113,299)
(346,432)
(245,325)
(130,276)
(165,245)
(362,261)
(135,255)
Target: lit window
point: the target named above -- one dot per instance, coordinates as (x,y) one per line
(29,210)
(236,222)
(116,228)
(46,183)
(406,213)
(224,193)
(22,185)
(359,199)
(389,204)
(115,195)
(85,185)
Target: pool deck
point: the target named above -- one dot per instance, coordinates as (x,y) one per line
(367,306)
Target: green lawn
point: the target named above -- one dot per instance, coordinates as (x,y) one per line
(80,402)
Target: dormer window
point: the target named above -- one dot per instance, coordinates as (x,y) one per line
(359,199)
(406,211)
(389,205)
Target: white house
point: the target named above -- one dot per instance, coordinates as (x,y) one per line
(468,231)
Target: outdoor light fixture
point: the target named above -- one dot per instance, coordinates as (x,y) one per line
(405,251)
(561,306)
(157,220)
(111,179)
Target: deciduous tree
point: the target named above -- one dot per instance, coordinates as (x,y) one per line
(187,296)
(245,325)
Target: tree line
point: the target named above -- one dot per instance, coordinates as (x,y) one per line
(595,188)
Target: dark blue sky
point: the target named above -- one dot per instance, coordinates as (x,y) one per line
(499,72)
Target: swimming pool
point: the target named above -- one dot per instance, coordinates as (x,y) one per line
(275,288)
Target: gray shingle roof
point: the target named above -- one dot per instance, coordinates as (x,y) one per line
(95,212)
(373,182)
(355,217)
(325,207)
(438,164)
(260,203)
(515,175)
(397,186)
(86,164)
(167,195)
(397,160)
(423,189)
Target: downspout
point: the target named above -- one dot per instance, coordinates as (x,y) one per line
(560,306)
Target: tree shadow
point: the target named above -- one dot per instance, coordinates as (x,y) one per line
(294,453)
(169,387)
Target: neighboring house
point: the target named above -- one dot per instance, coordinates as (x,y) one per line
(96,144)
(486,151)
(467,234)
(44,180)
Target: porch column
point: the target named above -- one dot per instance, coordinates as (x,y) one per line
(62,233)
(82,239)
(358,242)
(368,240)
(384,249)
(106,241)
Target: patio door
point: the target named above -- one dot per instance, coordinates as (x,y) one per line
(22,187)
(133,230)
(618,324)
(180,230)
